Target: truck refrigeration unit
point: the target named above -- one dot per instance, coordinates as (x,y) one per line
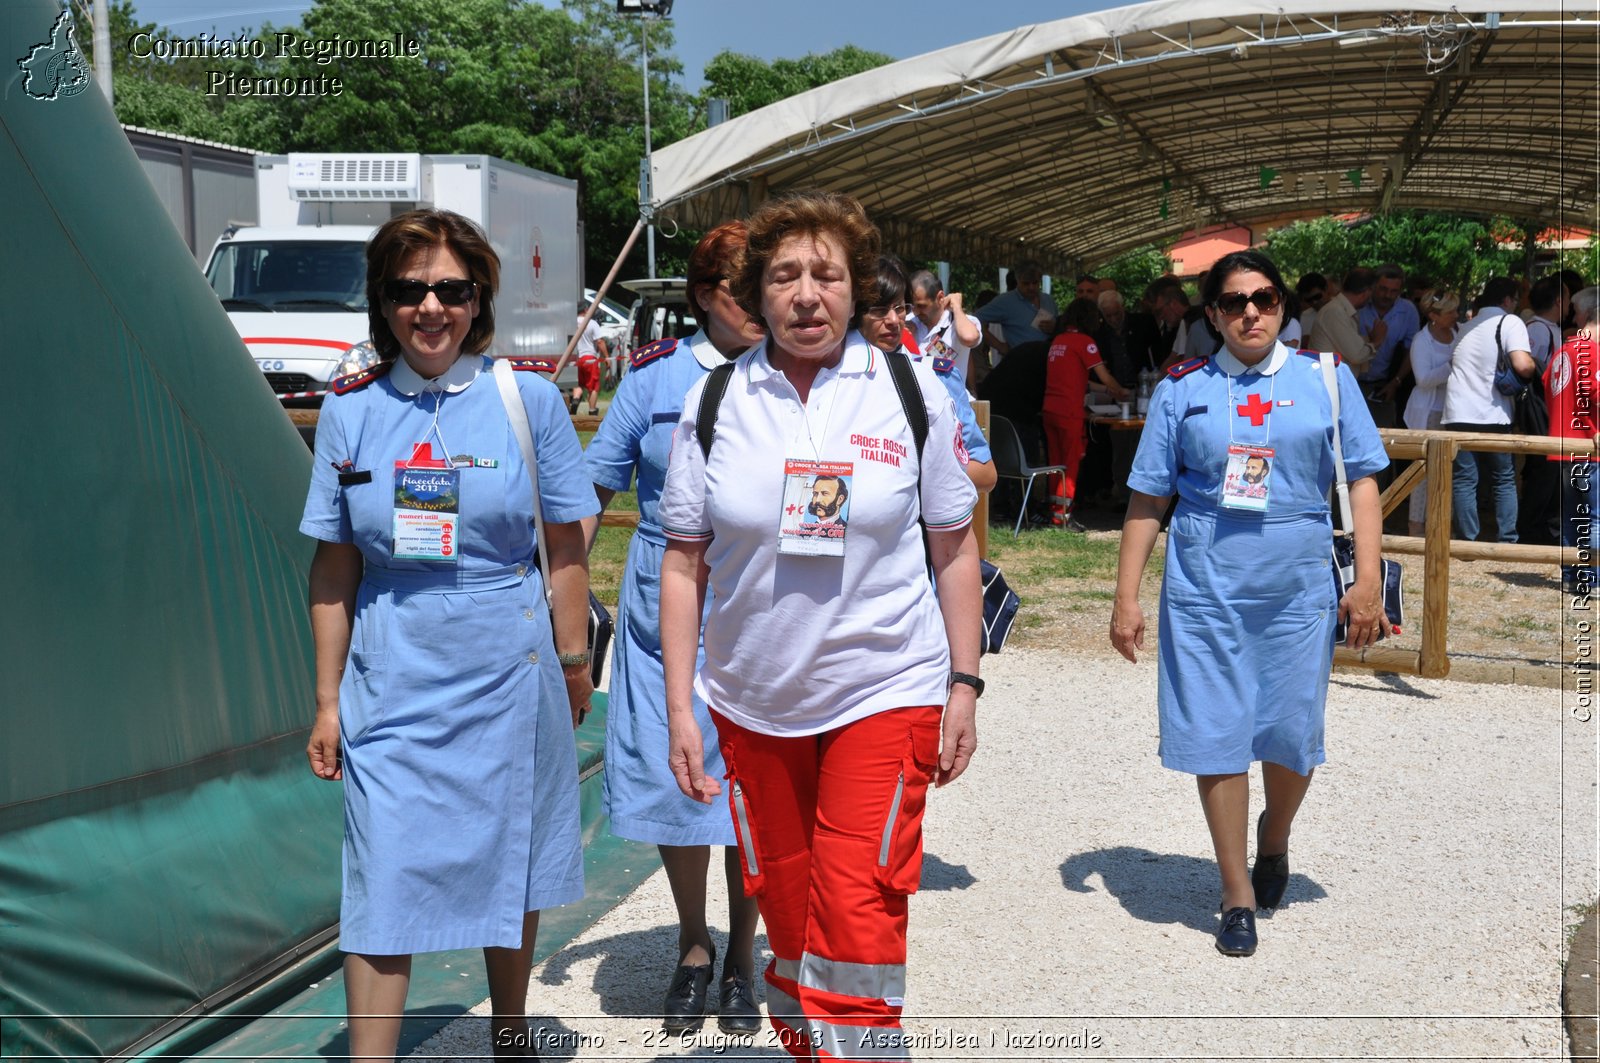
(295,285)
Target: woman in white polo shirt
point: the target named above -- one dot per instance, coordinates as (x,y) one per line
(841,684)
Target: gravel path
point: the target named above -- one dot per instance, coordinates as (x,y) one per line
(1069,894)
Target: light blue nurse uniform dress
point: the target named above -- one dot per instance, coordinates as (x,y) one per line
(1247,600)
(460,766)
(641,796)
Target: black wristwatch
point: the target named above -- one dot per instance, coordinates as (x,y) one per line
(971,680)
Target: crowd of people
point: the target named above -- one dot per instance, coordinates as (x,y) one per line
(798,637)
(1418,351)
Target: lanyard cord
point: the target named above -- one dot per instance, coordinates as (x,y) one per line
(805,414)
(433,429)
(1266,418)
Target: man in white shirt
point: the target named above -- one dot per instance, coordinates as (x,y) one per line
(1337,327)
(590,353)
(1473,404)
(939,324)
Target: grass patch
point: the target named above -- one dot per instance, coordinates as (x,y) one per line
(1580,912)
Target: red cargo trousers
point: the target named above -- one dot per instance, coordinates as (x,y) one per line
(830,835)
(1065,441)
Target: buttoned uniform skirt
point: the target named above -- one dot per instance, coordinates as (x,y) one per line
(460,766)
(642,798)
(1246,641)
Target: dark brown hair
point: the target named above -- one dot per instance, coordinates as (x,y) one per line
(715,259)
(402,238)
(814,214)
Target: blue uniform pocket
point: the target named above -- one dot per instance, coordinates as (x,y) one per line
(361,694)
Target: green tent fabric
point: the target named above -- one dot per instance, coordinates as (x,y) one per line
(160,836)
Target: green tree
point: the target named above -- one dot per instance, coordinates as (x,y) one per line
(1134,270)
(748,83)
(1452,250)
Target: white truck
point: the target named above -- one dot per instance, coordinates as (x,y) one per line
(295,284)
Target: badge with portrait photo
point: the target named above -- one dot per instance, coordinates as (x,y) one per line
(1248,477)
(816,507)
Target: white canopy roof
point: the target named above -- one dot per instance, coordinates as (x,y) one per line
(1072,141)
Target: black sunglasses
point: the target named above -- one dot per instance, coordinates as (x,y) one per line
(1232,303)
(412,293)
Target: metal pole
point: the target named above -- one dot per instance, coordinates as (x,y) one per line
(102,48)
(594,304)
(650,233)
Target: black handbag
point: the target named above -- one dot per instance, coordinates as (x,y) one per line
(600,631)
(1344,546)
(1529,414)
(1344,574)
(1000,605)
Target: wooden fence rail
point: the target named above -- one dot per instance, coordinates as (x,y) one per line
(1434,454)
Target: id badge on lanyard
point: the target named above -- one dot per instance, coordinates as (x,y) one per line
(427,508)
(1248,477)
(816,507)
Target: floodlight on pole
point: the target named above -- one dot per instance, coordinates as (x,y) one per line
(645,10)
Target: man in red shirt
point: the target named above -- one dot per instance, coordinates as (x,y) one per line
(1570,390)
(1073,356)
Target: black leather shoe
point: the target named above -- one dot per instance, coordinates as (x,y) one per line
(685,1005)
(1238,934)
(1270,875)
(737,1010)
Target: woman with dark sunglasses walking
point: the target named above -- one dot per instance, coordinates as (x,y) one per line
(1245,440)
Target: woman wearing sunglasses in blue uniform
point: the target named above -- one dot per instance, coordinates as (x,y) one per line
(1244,438)
(447,691)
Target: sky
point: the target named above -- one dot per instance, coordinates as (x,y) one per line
(767,29)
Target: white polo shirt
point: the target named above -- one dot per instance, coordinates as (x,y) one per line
(941,342)
(587,340)
(798,645)
(1470,396)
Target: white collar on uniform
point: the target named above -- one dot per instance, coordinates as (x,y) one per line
(705,352)
(462,372)
(859,357)
(1266,367)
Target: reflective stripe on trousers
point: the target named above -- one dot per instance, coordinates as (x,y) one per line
(830,828)
(833,1041)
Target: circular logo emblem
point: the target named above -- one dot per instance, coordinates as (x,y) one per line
(1560,373)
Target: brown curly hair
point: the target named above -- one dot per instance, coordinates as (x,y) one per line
(406,235)
(714,259)
(808,213)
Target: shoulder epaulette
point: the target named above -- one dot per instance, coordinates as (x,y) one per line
(944,365)
(1183,369)
(1338,359)
(356,381)
(533,365)
(651,351)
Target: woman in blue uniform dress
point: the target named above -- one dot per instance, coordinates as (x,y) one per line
(642,798)
(442,702)
(1248,602)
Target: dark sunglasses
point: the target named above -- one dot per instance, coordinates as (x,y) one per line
(412,293)
(1232,303)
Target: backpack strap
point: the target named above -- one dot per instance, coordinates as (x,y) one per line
(905,385)
(705,418)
